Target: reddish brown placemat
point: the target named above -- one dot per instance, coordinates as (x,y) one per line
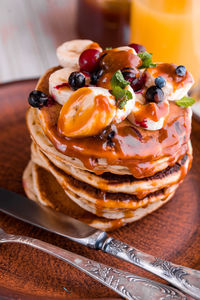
(172,232)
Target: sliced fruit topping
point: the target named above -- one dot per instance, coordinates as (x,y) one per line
(68,53)
(89,59)
(59,87)
(87,112)
(160,81)
(37,99)
(154,94)
(76,80)
(151,116)
(137,47)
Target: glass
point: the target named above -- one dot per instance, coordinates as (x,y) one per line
(105,21)
(170,29)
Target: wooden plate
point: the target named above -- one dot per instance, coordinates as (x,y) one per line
(172,232)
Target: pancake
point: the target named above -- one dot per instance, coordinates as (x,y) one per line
(97,200)
(124,183)
(48,192)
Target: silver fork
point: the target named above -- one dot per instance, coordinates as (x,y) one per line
(125,284)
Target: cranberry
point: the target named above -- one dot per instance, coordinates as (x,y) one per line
(154,94)
(138,48)
(89,60)
(76,80)
(129,74)
(138,83)
(38,99)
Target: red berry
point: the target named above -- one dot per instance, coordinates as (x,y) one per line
(138,48)
(138,83)
(89,60)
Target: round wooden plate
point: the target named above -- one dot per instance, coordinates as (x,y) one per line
(172,232)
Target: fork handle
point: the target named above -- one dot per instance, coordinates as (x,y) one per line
(125,284)
(186,279)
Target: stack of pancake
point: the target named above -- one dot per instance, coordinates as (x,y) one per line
(106,192)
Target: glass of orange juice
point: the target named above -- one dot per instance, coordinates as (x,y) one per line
(170,29)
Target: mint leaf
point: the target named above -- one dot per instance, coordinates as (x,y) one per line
(108,48)
(118,84)
(118,92)
(127,96)
(118,80)
(146,60)
(122,96)
(185,101)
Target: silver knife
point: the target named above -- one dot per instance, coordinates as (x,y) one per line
(186,279)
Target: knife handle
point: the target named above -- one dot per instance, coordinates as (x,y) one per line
(125,284)
(186,279)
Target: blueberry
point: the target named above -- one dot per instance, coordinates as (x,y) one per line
(154,94)
(76,80)
(160,82)
(37,99)
(181,70)
(111,135)
(95,76)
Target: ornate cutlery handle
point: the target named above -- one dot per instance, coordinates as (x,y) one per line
(186,279)
(125,284)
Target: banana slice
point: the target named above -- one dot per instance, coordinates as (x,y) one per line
(87,112)
(150,116)
(172,90)
(69,52)
(126,48)
(58,85)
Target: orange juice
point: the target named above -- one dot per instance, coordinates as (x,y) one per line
(170,29)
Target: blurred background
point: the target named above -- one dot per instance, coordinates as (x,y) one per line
(31,30)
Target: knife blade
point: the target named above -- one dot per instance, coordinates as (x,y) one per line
(46,218)
(20,207)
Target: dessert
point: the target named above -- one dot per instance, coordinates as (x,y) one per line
(111,134)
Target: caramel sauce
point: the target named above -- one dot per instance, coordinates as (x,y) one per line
(113,60)
(94,46)
(138,154)
(151,110)
(168,71)
(67,124)
(104,81)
